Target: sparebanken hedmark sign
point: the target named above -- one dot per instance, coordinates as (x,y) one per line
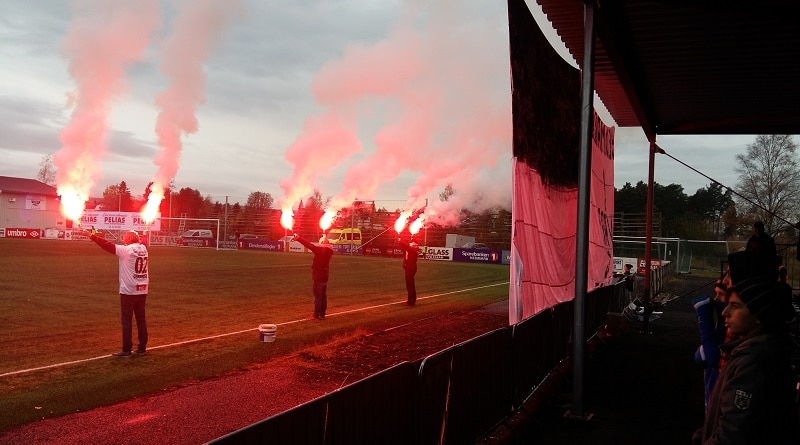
(477,256)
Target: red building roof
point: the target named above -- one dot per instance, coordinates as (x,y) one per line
(25,186)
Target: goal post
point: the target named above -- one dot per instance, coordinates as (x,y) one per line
(666,249)
(700,257)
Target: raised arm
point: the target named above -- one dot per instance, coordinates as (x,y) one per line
(107,245)
(406,246)
(305,242)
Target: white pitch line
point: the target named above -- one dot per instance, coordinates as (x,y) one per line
(228,334)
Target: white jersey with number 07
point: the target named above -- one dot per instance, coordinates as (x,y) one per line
(133,277)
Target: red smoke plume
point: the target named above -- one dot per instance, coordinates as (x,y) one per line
(431,86)
(103,39)
(196,27)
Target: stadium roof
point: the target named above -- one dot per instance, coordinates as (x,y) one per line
(692,67)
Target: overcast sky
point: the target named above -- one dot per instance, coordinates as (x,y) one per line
(386,100)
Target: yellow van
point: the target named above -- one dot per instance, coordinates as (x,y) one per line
(347,235)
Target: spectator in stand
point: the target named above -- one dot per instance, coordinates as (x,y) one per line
(744,406)
(762,243)
(797,247)
(134,282)
(410,255)
(753,398)
(783,274)
(761,240)
(630,280)
(712,335)
(320,272)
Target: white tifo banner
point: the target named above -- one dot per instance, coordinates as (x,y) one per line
(543,246)
(102,220)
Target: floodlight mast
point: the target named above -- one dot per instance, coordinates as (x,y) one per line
(356,203)
(353,224)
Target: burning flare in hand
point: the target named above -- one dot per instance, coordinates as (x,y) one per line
(402,220)
(416,225)
(326,221)
(287,219)
(72,203)
(150,210)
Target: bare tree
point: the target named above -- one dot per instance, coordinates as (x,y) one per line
(47,170)
(256,211)
(259,201)
(448,191)
(769,182)
(316,202)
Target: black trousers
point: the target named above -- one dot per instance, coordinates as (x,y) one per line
(130,306)
(410,288)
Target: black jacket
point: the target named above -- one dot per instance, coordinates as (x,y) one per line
(320,267)
(753,399)
(410,255)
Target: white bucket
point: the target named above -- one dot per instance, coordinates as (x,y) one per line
(266,333)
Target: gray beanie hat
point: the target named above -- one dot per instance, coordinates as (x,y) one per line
(769,300)
(749,264)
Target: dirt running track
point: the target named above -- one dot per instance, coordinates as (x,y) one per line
(203,411)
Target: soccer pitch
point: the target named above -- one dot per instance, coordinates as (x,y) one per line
(59,313)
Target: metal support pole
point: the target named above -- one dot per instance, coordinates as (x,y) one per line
(352,227)
(226,221)
(648,239)
(425,241)
(584,195)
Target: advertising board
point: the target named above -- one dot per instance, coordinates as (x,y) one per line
(21,233)
(102,220)
(437,253)
(260,244)
(488,256)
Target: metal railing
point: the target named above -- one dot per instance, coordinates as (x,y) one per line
(452,397)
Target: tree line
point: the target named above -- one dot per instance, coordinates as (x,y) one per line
(768,189)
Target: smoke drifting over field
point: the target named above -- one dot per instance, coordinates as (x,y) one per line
(426,95)
(105,39)
(195,29)
(428,103)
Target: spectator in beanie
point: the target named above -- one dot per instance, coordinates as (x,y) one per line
(320,272)
(748,264)
(741,266)
(753,398)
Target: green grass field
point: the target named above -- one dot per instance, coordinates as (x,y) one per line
(59,312)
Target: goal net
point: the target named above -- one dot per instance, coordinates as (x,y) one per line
(172,228)
(706,258)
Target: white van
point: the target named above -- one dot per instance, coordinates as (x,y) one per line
(347,235)
(198,238)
